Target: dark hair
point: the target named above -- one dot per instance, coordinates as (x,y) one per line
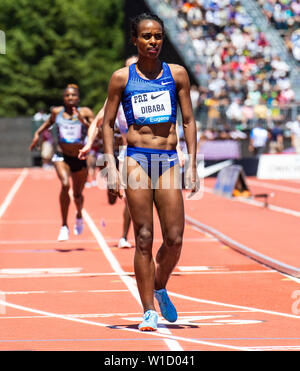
(142,17)
(72,86)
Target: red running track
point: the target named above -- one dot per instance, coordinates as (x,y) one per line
(81,294)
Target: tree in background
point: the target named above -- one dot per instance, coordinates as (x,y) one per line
(50,43)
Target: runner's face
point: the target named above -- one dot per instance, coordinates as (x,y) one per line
(149,39)
(71,97)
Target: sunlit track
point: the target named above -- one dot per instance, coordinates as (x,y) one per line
(279,265)
(12,192)
(97,274)
(82,295)
(264,230)
(282,188)
(260,204)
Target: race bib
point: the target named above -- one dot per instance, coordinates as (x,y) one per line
(152,108)
(70,133)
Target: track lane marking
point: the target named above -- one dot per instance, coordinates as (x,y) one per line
(128,281)
(255,203)
(233,305)
(273,186)
(90,274)
(97,274)
(167,337)
(261,258)
(12,192)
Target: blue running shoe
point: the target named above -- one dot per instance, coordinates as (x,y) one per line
(149,321)
(168,311)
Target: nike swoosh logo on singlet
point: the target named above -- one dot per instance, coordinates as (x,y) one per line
(156,96)
(165,83)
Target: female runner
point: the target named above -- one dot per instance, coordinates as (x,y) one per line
(72,123)
(149,91)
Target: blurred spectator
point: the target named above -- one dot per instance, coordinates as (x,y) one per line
(295,44)
(235,57)
(285,16)
(261,111)
(276,139)
(244,84)
(235,112)
(248,113)
(294,127)
(258,140)
(213,112)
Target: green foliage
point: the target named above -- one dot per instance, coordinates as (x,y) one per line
(50,43)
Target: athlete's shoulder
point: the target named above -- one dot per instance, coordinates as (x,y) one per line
(56,110)
(176,69)
(120,76)
(179,74)
(86,110)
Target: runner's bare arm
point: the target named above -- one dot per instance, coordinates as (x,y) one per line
(188,121)
(115,89)
(50,121)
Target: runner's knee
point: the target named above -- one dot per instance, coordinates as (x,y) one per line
(144,238)
(65,185)
(77,195)
(173,238)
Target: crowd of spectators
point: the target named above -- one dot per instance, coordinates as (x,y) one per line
(285,16)
(243,82)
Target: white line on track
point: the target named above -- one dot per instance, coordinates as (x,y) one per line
(2,300)
(107,315)
(7,201)
(273,186)
(128,281)
(167,337)
(186,297)
(271,207)
(11,194)
(109,240)
(60,292)
(97,274)
(163,332)
(266,260)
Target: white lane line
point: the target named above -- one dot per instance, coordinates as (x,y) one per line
(39,242)
(186,297)
(276,347)
(60,292)
(109,240)
(110,257)
(264,259)
(11,194)
(271,207)
(109,315)
(7,201)
(34,271)
(273,186)
(128,281)
(2,300)
(167,337)
(97,274)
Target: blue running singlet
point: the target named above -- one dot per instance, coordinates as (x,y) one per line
(150,101)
